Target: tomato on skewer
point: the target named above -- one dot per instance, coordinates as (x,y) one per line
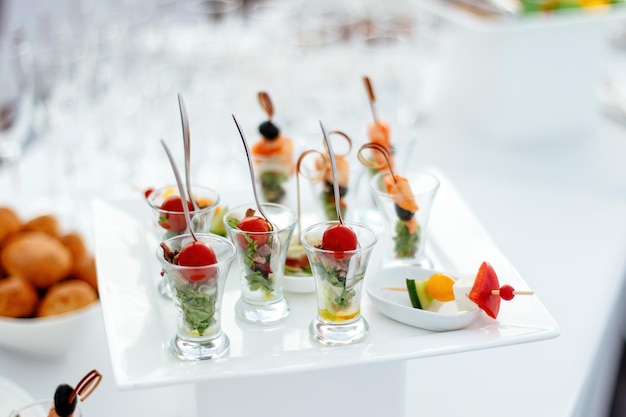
(172,216)
(198,254)
(339,238)
(257,226)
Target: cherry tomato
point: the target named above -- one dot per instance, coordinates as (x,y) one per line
(198,254)
(253,224)
(147,192)
(170,221)
(506,292)
(339,238)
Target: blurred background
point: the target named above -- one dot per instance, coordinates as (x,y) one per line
(106,74)
(100,78)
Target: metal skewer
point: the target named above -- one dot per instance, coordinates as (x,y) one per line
(181,189)
(187,148)
(333,165)
(252,177)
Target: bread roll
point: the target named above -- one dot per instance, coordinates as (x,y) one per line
(18,297)
(10,223)
(37,257)
(85,270)
(46,223)
(75,243)
(66,296)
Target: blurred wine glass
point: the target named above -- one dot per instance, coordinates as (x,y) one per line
(64,38)
(16,102)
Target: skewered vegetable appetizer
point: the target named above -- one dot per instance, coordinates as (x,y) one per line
(273,156)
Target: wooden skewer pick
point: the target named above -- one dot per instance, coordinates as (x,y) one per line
(371,96)
(395,288)
(506,292)
(515,292)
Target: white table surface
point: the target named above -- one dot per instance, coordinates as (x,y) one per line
(562,222)
(556,209)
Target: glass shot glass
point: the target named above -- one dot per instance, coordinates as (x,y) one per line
(275,178)
(38,407)
(405,226)
(197,294)
(323,189)
(169,221)
(261,256)
(338,285)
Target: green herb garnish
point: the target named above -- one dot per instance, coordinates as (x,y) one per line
(198,307)
(297,271)
(328,202)
(256,281)
(259,276)
(272,185)
(233,222)
(336,276)
(405,242)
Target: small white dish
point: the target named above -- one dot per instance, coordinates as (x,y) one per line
(14,397)
(295,280)
(299,283)
(397,305)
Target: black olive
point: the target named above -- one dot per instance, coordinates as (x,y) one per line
(329,189)
(62,405)
(269,130)
(404,215)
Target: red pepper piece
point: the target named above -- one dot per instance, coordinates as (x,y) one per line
(486,281)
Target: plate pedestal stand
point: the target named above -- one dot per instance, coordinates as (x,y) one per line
(376,389)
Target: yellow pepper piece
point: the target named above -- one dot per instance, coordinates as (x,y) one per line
(439,286)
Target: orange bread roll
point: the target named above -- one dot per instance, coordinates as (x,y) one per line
(18,297)
(75,243)
(46,223)
(37,257)
(66,296)
(85,270)
(10,223)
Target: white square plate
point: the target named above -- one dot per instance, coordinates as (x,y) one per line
(140,323)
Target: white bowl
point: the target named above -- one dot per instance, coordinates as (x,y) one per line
(397,305)
(46,336)
(299,284)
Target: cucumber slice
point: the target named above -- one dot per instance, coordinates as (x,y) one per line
(412,290)
(217,223)
(425,298)
(417,293)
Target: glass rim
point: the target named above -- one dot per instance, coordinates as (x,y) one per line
(156,191)
(241,207)
(307,245)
